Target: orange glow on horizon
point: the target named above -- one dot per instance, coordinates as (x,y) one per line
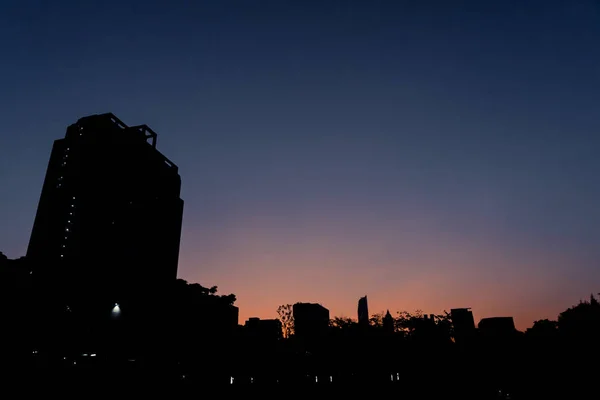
(265,266)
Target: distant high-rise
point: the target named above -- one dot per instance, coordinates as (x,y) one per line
(109,215)
(363,311)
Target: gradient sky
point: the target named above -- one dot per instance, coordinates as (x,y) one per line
(428,154)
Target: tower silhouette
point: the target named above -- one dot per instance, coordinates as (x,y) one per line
(110,213)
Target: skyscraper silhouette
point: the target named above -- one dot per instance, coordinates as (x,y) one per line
(363,311)
(109,216)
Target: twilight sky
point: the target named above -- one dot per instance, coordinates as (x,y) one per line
(428,154)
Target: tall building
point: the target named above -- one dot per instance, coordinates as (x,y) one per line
(110,213)
(363,311)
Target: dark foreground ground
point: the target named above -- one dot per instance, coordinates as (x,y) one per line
(164,383)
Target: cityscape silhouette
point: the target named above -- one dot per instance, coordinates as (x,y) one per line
(79,312)
(326,198)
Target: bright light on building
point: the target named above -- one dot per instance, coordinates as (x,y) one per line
(116,311)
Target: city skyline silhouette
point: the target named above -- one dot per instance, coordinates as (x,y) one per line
(430,156)
(97,297)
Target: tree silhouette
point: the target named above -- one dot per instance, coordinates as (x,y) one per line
(342,323)
(376,320)
(582,320)
(286,317)
(543,328)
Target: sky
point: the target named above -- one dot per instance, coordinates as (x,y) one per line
(428,154)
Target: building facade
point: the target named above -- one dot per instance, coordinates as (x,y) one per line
(109,216)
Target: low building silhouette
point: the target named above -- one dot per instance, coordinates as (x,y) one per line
(263,329)
(311,320)
(497,326)
(463,323)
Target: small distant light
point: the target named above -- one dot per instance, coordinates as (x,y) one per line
(73,197)
(67,229)
(93,355)
(35,352)
(231,380)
